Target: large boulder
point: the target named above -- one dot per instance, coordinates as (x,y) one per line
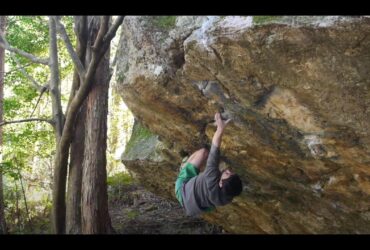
(297,90)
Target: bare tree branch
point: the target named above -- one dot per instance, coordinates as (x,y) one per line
(104,25)
(109,36)
(58,115)
(63,33)
(81,31)
(113,29)
(16,69)
(45,88)
(28,120)
(4,44)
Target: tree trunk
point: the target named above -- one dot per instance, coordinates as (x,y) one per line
(2,62)
(57,110)
(100,46)
(17,211)
(60,171)
(24,198)
(73,218)
(95,216)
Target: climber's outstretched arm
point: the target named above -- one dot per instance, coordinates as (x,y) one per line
(212,173)
(221,124)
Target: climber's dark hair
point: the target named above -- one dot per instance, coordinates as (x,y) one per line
(232,186)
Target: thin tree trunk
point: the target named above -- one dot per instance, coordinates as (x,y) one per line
(73,218)
(95,215)
(54,81)
(17,207)
(24,198)
(2,62)
(60,171)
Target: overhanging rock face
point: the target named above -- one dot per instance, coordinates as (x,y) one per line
(298,91)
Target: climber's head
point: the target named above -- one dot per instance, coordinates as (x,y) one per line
(230,183)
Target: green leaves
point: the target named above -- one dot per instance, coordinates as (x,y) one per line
(31,34)
(27,143)
(164,22)
(28,33)
(28,148)
(264,19)
(9,169)
(27,93)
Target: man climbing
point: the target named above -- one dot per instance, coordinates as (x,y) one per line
(199,193)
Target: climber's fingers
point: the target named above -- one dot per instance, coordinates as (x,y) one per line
(217,116)
(227,121)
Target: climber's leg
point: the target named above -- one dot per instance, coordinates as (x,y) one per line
(199,158)
(190,169)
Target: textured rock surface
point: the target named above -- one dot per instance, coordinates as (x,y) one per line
(298,92)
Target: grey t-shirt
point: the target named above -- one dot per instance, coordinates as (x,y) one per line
(203,191)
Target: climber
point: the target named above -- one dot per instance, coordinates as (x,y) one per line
(199,193)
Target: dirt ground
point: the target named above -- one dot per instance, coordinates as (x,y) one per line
(134,210)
